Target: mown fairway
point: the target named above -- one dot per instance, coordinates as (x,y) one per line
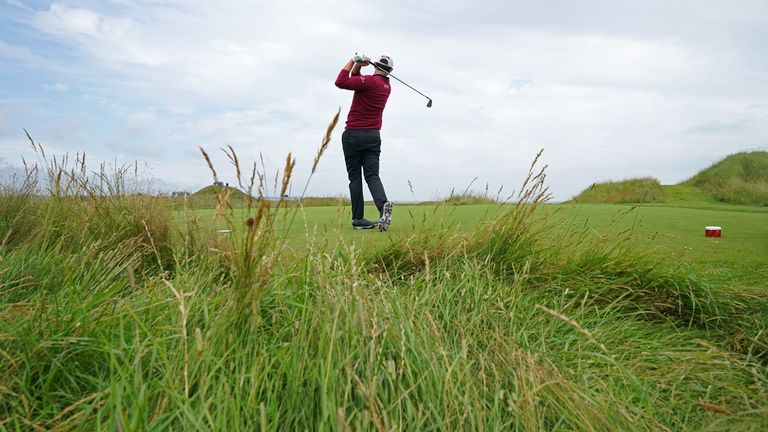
(673,232)
(740,256)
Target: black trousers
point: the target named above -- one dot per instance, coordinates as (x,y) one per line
(362,149)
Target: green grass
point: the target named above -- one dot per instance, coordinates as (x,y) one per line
(741,178)
(670,231)
(682,193)
(678,232)
(213,191)
(466,199)
(636,190)
(208,198)
(117,313)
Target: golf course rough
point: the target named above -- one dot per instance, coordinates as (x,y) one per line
(130,312)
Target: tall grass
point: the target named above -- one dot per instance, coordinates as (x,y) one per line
(62,205)
(636,190)
(741,178)
(513,327)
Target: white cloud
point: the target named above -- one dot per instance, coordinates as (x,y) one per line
(606,89)
(59,87)
(18,53)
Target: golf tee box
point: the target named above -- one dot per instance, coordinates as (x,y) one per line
(712,231)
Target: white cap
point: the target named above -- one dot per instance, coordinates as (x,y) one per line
(385,62)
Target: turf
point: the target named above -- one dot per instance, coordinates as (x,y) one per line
(676,232)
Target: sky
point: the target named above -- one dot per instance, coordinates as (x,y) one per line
(608,89)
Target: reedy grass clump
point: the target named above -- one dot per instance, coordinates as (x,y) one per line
(63,206)
(248,248)
(252,249)
(513,327)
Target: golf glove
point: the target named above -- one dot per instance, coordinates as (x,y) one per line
(359,58)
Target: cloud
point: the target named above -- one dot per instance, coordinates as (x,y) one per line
(10,175)
(70,131)
(65,20)
(604,88)
(715,127)
(16,53)
(13,115)
(59,87)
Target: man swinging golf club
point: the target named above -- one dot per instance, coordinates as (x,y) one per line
(361,139)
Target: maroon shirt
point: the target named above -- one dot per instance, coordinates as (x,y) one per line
(371,94)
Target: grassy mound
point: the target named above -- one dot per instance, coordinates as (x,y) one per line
(461,200)
(469,199)
(645,189)
(741,178)
(208,197)
(213,191)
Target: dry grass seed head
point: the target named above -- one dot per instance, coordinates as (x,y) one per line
(326,140)
(715,408)
(290,163)
(210,164)
(250,187)
(232,155)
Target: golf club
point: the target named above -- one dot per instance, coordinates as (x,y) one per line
(429,104)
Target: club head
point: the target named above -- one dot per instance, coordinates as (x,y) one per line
(429,104)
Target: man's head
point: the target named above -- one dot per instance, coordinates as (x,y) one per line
(384,65)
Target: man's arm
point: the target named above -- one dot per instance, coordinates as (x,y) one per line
(356,69)
(355,81)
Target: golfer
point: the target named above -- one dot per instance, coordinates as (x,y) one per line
(361,138)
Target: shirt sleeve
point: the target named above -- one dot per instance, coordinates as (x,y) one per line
(354,82)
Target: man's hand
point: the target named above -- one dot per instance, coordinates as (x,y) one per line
(358,61)
(361,59)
